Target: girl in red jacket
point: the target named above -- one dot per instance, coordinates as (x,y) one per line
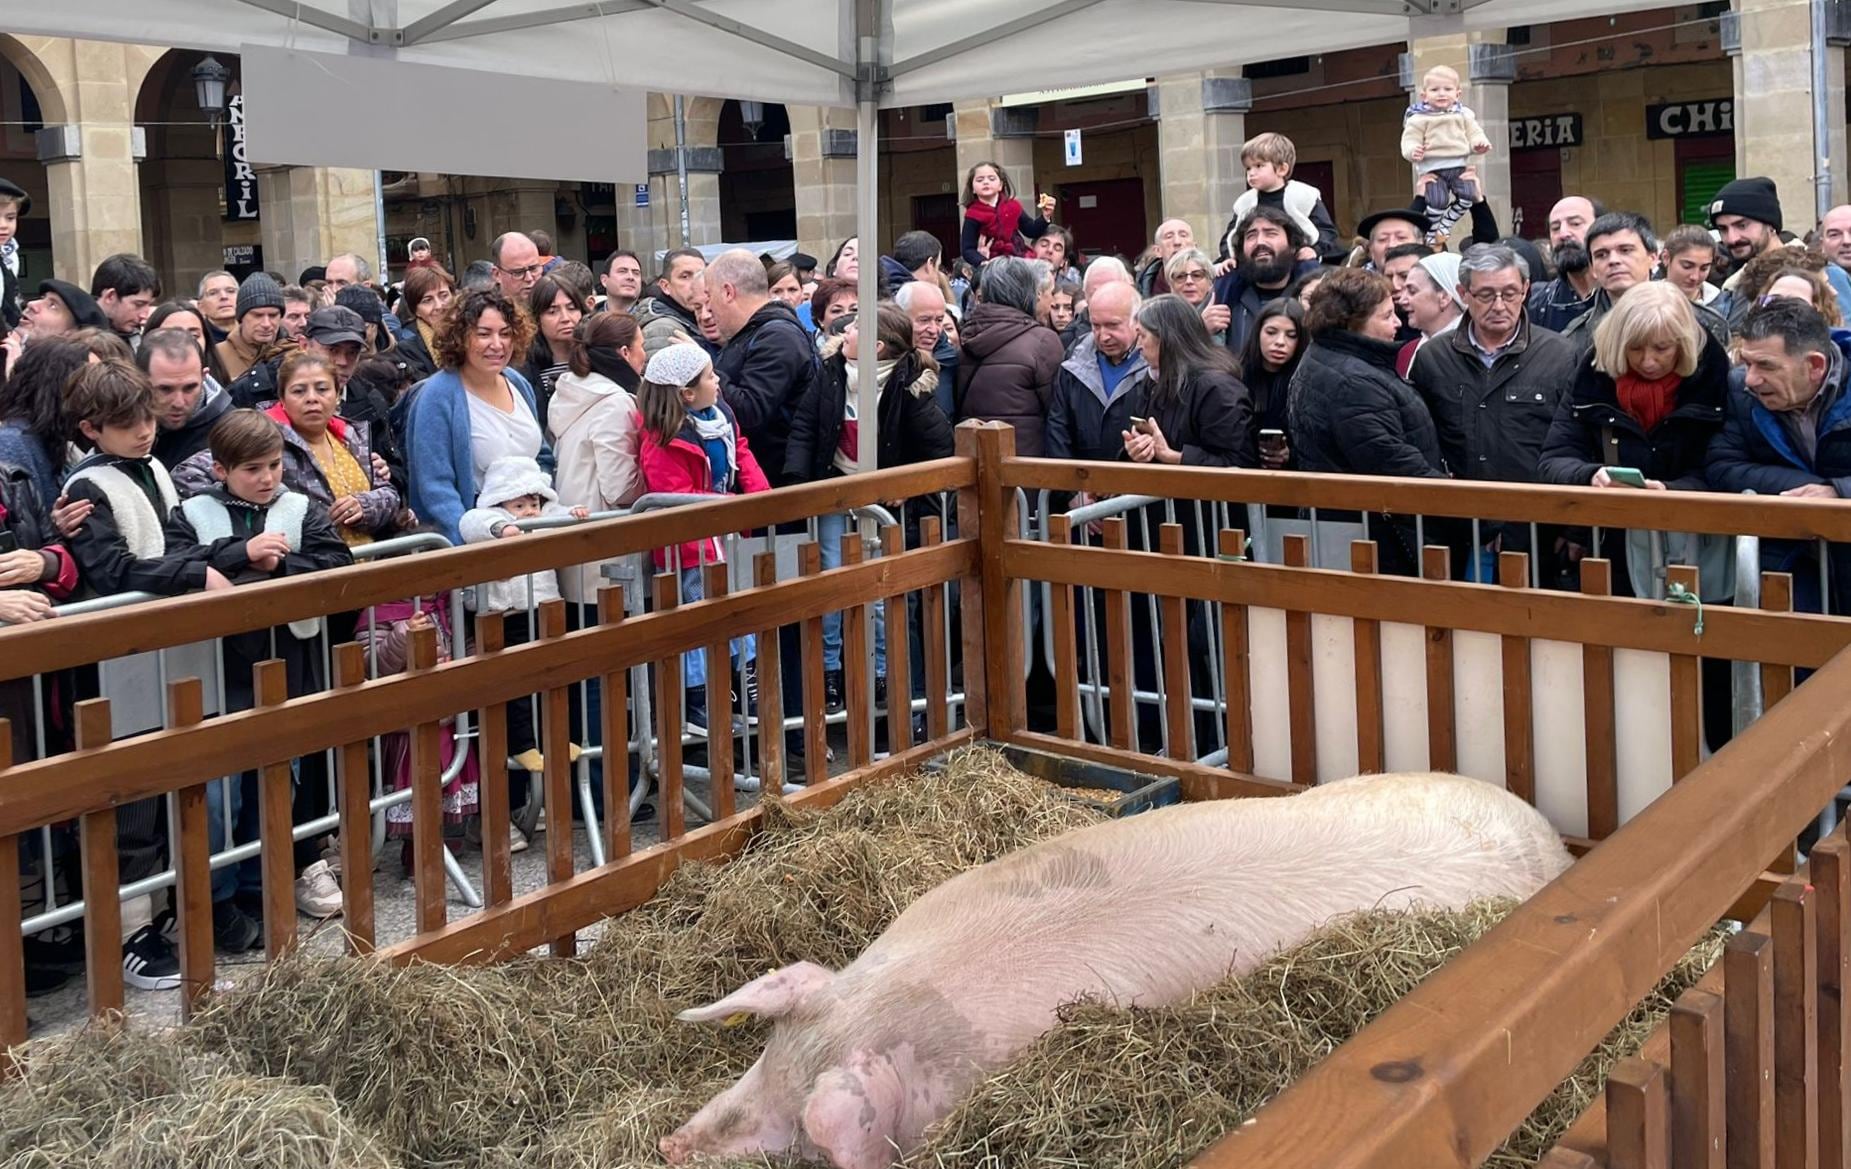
(690,444)
(994,219)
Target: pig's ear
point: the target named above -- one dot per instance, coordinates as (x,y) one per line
(852,1114)
(769,996)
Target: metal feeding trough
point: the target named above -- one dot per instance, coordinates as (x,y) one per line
(1117,791)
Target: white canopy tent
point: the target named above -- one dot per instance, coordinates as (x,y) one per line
(864,53)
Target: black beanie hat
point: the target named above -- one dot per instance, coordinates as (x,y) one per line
(84,310)
(364,301)
(259,291)
(1753,198)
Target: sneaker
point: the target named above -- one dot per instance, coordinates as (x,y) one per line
(833,701)
(694,717)
(44,980)
(60,948)
(149,961)
(233,930)
(517,840)
(318,894)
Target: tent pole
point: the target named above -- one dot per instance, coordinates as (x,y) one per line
(867,232)
(681,164)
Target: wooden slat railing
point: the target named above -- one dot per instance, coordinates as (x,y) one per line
(101,775)
(1680,511)
(1442,1077)
(53,645)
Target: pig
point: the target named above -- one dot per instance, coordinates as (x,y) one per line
(1143,911)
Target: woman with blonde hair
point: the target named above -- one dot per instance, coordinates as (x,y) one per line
(1645,404)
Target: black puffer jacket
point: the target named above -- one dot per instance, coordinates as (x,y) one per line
(1591,431)
(912,427)
(765,370)
(1006,373)
(1210,423)
(1351,413)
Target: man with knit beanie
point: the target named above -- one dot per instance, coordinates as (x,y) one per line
(259,317)
(1746,216)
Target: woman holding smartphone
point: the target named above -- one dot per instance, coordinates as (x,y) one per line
(1646,402)
(1267,362)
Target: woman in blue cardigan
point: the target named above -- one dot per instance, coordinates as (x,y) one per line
(473,410)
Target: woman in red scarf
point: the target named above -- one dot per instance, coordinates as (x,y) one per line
(994,220)
(1648,398)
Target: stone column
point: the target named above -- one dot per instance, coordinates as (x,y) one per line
(90,159)
(186,227)
(1771,47)
(1004,135)
(823,163)
(1201,126)
(1487,66)
(705,163)
(311,213)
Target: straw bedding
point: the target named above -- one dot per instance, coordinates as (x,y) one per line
(579,1064)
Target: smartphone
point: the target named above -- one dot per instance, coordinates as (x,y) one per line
(8,542)
(1136,421)
(1630,476)
(1275,435)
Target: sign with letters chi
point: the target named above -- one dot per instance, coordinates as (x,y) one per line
(240,179)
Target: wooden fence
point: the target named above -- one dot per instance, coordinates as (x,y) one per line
(1438,1081)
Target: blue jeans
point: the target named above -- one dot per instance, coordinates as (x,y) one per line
(694,662)
(829,531)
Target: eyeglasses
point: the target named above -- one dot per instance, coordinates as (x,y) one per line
(522,273)
(1491,296)
(1194,275)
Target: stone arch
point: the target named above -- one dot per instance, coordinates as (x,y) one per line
(181,178)
(758,197)
(38,75)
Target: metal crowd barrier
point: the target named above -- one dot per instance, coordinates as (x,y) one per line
(631,574)
(130,695)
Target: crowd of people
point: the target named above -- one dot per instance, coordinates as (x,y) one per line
(264,428)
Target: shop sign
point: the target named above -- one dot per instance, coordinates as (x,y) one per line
(1714,118)
(240,179)
(1548,131)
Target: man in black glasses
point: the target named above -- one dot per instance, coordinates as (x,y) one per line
(1492,386)
(517,265)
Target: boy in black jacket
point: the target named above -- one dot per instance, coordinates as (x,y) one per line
(251,528)
(120,544)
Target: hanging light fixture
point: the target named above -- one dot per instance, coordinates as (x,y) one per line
(752,117)
(209,78)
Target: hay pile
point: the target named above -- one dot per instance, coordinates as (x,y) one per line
(111,1098)
(481,1066)
(549,1064)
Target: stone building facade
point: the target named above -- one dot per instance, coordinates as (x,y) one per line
(1648,110)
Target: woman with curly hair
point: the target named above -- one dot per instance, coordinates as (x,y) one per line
(1789,272)
(475,409)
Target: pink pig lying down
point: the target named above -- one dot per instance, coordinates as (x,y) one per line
(1142,911)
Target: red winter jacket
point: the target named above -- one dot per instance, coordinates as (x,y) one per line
(681,468)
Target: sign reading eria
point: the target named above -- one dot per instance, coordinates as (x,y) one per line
(240,179)
(1692,119)
(1550,130)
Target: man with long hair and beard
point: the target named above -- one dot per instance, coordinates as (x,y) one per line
(1267,243)
(1554,303)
